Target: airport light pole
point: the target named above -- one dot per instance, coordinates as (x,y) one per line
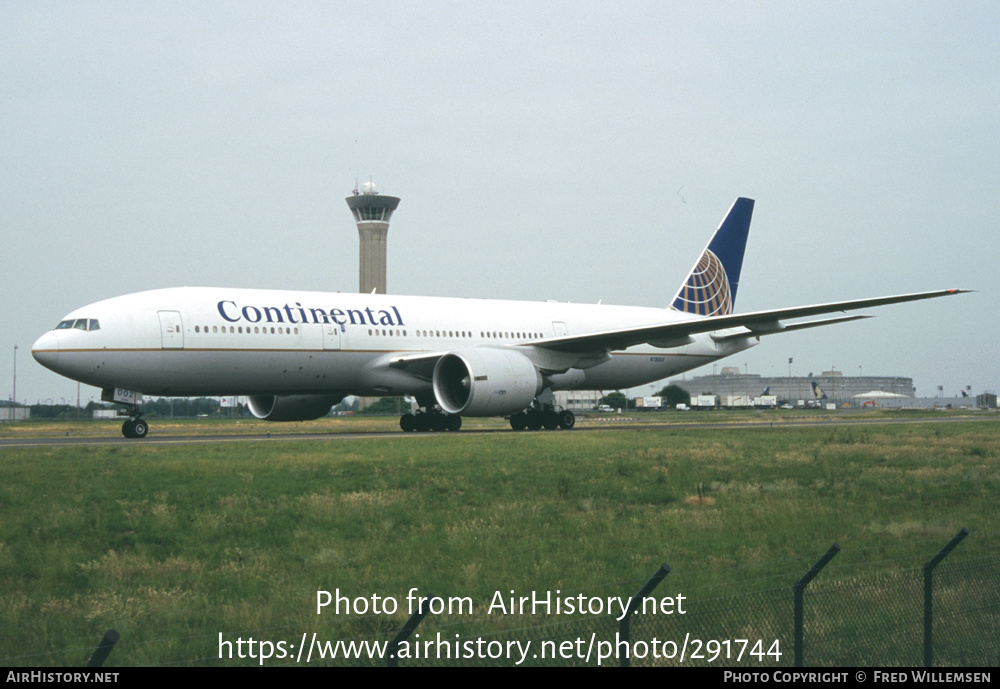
(833,384)
(13,401)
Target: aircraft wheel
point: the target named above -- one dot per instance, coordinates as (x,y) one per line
(423,422)
(519,421)
(550,419)
(439,422)
(567,419)
(135,428)
(408,422)
(534,420)
(454,422)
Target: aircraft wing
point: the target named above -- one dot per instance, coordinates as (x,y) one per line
(751,324)
(739,333)
(678,333)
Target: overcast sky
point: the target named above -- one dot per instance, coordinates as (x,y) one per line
(574,151)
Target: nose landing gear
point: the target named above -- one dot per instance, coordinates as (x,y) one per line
(135,428)
(130,400)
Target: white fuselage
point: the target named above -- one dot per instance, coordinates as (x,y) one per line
(217,341)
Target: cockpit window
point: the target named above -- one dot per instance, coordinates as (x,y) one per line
(80,324)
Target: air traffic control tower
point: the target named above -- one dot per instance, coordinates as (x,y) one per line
(372,212)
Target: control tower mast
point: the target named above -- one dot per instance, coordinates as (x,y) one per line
(372,212)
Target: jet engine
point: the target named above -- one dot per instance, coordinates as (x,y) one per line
(485,382)
(292,407)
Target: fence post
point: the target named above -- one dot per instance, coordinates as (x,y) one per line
(392,651)
(625,625)
(103,649)
(799,588)
(929,596)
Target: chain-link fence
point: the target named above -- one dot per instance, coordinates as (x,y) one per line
(876,620)
(945,614)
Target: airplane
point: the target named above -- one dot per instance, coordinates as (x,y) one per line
(297,354)
(818,392)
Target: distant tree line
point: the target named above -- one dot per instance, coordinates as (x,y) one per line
(63,411)
(161,407)
(387,405)
(672,396)
(189,407)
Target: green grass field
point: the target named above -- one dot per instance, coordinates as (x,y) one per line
(172,545)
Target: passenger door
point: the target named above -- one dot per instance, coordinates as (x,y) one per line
(171,330)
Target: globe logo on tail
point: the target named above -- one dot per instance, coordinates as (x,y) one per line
(706,291)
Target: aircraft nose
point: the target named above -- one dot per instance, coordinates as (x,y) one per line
(46,350)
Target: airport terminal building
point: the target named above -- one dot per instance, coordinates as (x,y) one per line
(838,388)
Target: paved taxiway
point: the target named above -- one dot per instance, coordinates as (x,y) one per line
(277,435)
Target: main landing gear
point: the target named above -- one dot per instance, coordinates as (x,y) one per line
(435,420)
(539,415)
(545,416)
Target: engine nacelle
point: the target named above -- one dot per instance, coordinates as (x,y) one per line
(485,382)
(292,407)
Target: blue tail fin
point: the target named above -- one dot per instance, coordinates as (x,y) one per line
(818,392)
(710,287)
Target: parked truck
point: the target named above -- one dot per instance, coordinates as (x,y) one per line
(705,401)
